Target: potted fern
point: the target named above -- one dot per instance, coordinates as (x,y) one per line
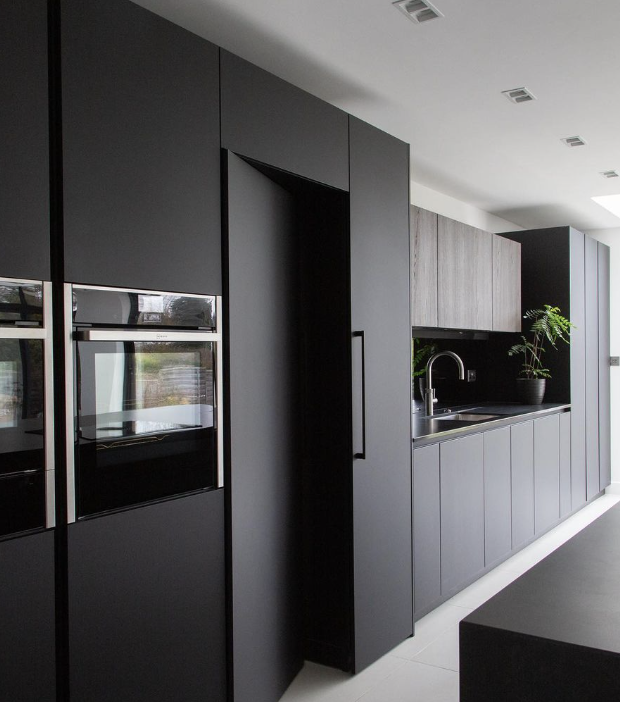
(548,326)
(420,353)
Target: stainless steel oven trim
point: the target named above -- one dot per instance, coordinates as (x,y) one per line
(19,281)
(133,335)
(69,402)
(23,332)
(50,499)
(140,291)
(219,392)
(48,373)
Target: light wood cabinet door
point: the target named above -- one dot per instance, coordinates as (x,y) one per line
(506,285)
(464,276)
(423,268)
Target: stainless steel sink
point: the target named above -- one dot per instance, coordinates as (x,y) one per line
(466,417)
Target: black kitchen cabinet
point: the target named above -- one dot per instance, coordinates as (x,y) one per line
(379,221)
(546,473)
(522,477)
(604,379)
(146,603)
(591,366)
(565,496)
(462,511)
(264,477)
(141,139)
(24,144)
(27,634)
(426,530)
(274,122)
(497,496)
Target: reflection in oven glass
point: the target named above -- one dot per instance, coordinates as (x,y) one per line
(146,421)
(21,405)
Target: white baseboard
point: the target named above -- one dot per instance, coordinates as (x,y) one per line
(613,489)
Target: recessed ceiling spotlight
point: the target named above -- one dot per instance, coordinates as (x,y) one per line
(609,174)
(609,202)
(574,141)
(418,10)
(518,95)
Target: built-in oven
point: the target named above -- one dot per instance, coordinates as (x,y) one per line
(144,410)
(26,407)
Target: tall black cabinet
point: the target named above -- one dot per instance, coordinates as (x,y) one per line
(381,492)
(24,145)
(140,148)
(319,429)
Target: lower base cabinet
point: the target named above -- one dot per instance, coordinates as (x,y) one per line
(27,620)
(426,530)
(546,472)
(462,511)
(522,479)
(497,496)
(146,603)
(481,497)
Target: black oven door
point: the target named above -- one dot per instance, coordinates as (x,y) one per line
(145,422)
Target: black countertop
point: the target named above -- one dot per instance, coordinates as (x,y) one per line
(553,635)
(571,596)
(426,430)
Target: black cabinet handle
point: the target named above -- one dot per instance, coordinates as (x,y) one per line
(362,454)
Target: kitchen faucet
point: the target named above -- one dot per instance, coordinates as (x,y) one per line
(429,394)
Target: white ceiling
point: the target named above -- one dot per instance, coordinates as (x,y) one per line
(438,86)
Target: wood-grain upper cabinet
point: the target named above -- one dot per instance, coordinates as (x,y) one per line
(506,285)
(423,268)
(24,163)
(141,148)
(269,120)
(464,276)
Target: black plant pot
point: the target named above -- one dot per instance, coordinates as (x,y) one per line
(530,391)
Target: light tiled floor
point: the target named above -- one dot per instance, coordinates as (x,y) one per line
(425,668)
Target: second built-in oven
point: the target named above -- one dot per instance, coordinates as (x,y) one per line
(144,375)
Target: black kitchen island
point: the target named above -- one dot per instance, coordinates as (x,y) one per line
(553,634)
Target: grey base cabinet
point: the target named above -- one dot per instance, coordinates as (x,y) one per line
(522,461)
(497,495)
(426,529)
(546,473)
(479,498)
(462,511)
(565,500)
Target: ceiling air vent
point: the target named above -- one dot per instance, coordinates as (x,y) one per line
(418,10)
(518,95)
(574,141)
(609,174)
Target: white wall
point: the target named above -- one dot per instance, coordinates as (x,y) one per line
(434,201)
(611,237)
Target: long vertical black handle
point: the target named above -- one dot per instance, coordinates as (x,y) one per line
(362,454)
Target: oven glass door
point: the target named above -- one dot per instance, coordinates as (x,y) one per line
(22,450)
(145,422)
